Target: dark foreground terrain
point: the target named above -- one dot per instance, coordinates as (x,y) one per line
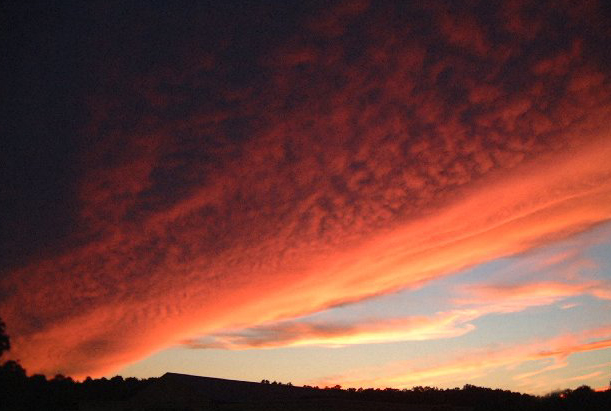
(186,392)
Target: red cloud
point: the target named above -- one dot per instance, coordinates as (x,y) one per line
(268,191)
(465,32)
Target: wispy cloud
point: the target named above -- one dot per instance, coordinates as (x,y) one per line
(442,325)
(584,376)
(516,297)
(484,300)
(479,363)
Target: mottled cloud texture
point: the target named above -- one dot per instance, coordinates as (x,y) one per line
(243,177)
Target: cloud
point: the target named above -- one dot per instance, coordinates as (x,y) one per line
(584,376)
(515,297)
(480,362)
(295,333)
(481,300)
(274,172)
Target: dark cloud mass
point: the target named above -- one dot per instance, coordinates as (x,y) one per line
(178,171)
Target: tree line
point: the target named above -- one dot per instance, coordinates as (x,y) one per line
(20,391)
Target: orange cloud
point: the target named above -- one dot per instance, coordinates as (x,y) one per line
(584,376)
(350,170)
(479,363)
(484,300)
(515,297)
(442,325)
(566,351)
(185,294)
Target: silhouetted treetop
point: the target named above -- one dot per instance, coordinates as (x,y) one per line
(5,344)
(18,391)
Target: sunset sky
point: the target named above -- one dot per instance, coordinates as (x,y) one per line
(370,194)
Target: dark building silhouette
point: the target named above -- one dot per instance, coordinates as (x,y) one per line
(188,392)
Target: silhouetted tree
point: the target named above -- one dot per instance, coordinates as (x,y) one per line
(36,392)
(5,344)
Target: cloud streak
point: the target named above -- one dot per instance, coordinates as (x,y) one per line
(515,297)
(484,300)
(482,362)
(443,325)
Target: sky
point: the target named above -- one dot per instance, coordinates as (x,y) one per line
(370,194)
